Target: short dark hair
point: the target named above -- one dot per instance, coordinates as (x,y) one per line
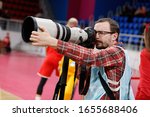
(114,26)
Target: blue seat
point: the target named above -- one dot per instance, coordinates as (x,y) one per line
(135,26)
(145,19)
(126,31)
(116,18)
(130,31)
(136,40)
(125,24)
(135,19)
(130,25)
(121,30)
(123,39)
(135,32)
(121,24)
(140,20)
(123,19)
(120,18)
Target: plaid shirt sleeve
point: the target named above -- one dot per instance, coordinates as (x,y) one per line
(112,56)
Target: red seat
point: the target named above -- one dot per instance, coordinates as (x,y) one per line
(21,9)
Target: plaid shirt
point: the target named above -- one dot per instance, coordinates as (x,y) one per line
(111,58)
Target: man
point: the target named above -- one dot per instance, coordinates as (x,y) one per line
(107,59)
(72,22)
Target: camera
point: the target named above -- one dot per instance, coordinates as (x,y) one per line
(59,31)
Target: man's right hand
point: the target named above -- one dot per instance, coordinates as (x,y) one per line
(43,38)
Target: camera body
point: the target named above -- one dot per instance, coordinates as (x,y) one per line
(74,35)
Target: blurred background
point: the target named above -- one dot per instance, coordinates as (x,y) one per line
(130,14)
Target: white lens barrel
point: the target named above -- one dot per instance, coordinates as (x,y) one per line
(49,24)
(74,35)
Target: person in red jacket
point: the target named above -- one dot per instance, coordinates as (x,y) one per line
(49,65)
(5,44)
(143,92)
(6,40)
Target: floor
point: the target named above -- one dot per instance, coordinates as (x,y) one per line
(18,77)
(7,96)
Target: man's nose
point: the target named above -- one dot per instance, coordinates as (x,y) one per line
(97,35)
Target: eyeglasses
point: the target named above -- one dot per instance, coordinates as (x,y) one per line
(103,32)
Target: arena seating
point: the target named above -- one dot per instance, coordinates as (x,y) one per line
(132,26)
(130,30)
(19,9)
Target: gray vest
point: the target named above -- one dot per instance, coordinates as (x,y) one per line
(96,90)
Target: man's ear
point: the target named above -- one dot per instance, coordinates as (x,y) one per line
(114,36)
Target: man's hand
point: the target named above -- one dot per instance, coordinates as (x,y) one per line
(43,38)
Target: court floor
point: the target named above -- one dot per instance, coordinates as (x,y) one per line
(18,77)
(4,95)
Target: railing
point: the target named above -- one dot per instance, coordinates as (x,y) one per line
(10,24)
(133,42)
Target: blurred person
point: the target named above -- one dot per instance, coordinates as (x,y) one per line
(4,14)
(72,22)
(128,10)
(108,61)
(6,40)
(5,44)
(141,11)
(40,14)
(143,92)
(51,63)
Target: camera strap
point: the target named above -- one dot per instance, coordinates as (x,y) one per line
(60,86)
(106,87)
(84,82)
(74,83)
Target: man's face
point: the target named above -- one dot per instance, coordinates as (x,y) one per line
(104,37)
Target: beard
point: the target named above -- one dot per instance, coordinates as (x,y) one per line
(101,46)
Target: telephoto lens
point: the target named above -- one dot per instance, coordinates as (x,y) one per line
(74,35)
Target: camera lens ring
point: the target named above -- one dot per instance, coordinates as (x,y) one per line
(64,33)
(68,35)
(58,30)
(28,26)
